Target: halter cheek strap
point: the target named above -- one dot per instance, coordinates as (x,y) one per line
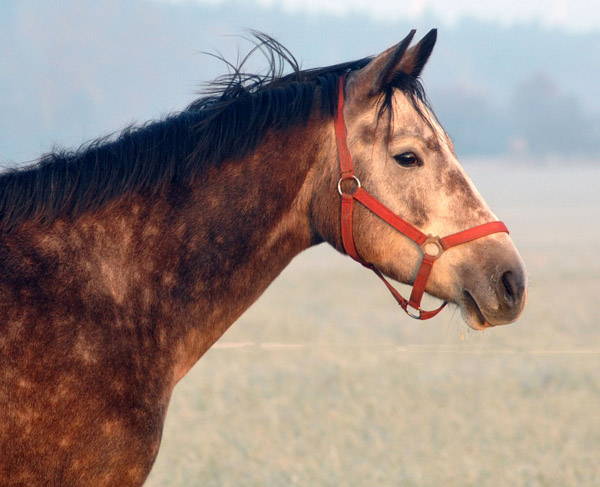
(431,246)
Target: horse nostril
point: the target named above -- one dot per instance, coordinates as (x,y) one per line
(512,290)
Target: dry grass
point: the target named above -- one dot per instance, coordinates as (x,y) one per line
(333,395)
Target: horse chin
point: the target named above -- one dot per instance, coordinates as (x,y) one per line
(472,314)
(480,317)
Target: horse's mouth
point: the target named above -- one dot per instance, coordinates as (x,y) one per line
(472,313)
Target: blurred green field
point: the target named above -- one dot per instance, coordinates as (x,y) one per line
(304,390)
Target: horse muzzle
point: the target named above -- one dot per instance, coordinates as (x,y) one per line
(493,294)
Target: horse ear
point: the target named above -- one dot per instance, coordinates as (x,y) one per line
(416,57)
(379,73)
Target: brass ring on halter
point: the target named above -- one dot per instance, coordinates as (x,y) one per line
(339,185)
(433,240)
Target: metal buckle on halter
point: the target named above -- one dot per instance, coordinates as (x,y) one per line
(339,185)
(434,242)
(416,317)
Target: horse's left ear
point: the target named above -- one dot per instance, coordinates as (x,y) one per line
(416,57)
(379,73)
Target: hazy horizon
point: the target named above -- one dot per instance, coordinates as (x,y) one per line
(573,15)
(81,70)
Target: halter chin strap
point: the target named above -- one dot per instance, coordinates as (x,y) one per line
(432,247)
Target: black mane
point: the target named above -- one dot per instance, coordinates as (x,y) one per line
(226,123)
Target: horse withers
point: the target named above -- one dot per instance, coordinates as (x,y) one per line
(121,263)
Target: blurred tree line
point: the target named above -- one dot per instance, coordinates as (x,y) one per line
(539,119)
(78,69)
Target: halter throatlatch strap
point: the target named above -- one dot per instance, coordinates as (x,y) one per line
(351,190)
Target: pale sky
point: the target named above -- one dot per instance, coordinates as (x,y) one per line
(575,15)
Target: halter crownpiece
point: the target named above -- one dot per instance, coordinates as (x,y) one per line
(432,247)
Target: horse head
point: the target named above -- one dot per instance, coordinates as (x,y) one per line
(406,162)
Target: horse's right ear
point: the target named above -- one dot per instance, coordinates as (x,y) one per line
(379,73)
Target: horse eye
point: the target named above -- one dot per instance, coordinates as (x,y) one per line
(407,159)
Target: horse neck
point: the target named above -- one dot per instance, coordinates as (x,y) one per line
(250,220)
(182,267)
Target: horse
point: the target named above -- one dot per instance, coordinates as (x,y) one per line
(123,261)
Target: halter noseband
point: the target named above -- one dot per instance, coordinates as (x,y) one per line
(425,242)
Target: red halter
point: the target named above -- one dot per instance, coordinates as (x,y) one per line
(423,241)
